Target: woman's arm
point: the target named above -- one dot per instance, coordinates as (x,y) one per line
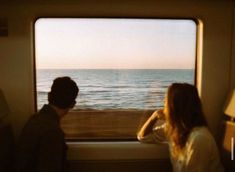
(147,128)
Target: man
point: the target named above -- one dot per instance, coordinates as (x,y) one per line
(7,143)
(41,146)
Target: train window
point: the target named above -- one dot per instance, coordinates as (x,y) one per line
(122,66)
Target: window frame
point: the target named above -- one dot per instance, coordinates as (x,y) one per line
(145,112)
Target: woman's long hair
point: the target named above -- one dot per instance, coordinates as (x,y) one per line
(183,113)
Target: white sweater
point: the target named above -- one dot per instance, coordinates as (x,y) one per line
(200,153)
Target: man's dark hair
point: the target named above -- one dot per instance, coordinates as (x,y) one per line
(63,92)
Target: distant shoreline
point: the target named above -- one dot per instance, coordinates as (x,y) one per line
(113,69)
(111,110)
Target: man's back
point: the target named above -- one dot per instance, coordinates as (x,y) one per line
(41,145)
(7,148)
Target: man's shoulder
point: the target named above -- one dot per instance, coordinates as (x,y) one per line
(40,122)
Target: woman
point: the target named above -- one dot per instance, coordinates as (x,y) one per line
(192,147)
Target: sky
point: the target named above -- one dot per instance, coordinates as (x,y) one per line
(80,43)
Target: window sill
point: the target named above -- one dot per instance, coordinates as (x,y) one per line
(132,150)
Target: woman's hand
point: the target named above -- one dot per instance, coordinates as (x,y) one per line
(147,128)
(158,114)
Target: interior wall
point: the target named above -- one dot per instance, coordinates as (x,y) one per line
(124,166)
(16,50)
(17,60)
(217,71)
(232,72)
(16,70)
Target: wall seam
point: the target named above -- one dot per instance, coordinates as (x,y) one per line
(231,51)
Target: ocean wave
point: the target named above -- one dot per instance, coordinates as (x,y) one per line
(97,91)
(156,92)
(42,92)
(119,86)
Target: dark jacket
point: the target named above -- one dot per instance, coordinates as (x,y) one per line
(41,146)
(7,148)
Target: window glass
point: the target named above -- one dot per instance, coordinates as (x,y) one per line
(122,67)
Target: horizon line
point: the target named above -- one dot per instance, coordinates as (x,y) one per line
(111,68)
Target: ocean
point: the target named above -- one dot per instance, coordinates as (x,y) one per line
(115,88)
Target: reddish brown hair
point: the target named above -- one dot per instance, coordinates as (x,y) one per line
(184,113)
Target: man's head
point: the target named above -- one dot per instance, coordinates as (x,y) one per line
(63,93)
